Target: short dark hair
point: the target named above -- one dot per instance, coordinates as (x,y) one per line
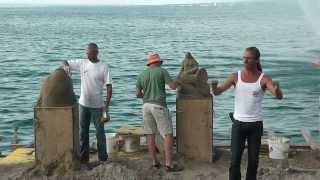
(92,46)
(256,53)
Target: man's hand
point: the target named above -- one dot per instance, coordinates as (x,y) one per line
(277,89)
(214,84)
(106,107)
(67,70)
(105,113)
(274,87)
(65,66)
(173,84)
(139,93)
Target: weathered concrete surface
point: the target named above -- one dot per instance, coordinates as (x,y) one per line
(302,165)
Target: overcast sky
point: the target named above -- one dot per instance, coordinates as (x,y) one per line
(109,2)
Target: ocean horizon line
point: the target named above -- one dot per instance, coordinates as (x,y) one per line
(214,3)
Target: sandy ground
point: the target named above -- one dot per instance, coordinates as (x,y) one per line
(303,164)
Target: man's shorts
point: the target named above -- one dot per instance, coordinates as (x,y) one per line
(156,119)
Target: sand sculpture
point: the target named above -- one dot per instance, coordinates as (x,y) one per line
(56,128)
(57,90)
(192,79)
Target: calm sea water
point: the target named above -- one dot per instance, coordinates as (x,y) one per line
(34,39)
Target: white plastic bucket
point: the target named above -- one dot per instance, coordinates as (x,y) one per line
(131,143)
(111,142)
(278,147)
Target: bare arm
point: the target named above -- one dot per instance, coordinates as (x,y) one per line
(273,87)
(173,84)
(109,95)
(217,90)
(66,67)
(71,65)
(139,93)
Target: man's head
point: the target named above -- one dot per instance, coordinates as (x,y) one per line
(251,58)
(154,59)
(92,51)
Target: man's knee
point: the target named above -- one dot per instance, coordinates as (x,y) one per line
(168,135)
(165,130)
(151,137)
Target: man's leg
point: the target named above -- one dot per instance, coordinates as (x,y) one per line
(84,117)
(152,148)
(100,133)
(238,140)
(254,143)
(164,125)
(150,129)
(168,143)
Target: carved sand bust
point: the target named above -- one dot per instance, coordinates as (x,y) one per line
(57,90)
(192,80)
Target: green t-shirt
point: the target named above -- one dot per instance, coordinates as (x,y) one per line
(152,83)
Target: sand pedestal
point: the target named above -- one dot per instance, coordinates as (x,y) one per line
(195,128)
(57,136)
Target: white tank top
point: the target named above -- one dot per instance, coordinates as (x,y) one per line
(248,100)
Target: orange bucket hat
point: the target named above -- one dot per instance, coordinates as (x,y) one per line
(153,58)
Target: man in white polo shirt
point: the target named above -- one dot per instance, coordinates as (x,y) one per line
(95,75)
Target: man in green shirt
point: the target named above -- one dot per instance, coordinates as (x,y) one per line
(151,87)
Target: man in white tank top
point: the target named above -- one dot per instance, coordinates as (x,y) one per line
(250,84)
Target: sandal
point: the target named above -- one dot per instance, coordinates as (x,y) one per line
(157,165)
(174,168)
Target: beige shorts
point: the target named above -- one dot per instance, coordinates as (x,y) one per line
(156,119)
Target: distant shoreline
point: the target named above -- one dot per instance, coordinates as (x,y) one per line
(113,5)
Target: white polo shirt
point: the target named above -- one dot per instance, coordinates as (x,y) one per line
(94,77)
